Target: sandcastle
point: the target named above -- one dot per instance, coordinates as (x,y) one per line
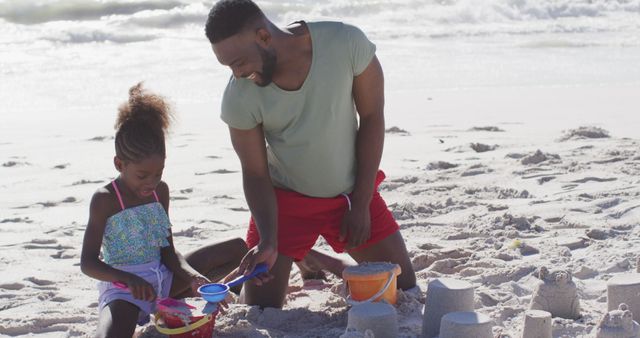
(373,320)
(624,288)
(444,295)
(466,324)
(618,324)
(353,333)
(557,294)
(537,324)
(449,313)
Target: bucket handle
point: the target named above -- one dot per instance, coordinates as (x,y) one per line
(179,330)
(392,275)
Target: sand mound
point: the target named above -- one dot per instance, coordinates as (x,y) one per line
(585,132)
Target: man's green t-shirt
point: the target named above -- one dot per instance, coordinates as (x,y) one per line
(310,132)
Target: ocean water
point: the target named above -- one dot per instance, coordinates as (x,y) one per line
(66,64)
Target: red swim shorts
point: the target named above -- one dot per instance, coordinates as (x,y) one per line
(301,219)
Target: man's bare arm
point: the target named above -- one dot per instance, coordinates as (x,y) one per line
(258,189)
(368,95)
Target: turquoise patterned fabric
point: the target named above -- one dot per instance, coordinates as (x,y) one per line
(136,235)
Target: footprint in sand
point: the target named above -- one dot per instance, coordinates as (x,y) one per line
(397,131)
(10,164)
(12,286)
(621,213)
(481,148)
(609,203)
(611,160)
(51,247)
(178,198)
(83,181)
(49,204)
(46,296)
(527,172)
(539,157)
(61,166)
(441,165)
(492,207)
(50,323)
(515,156)
(39,282)
(487,128)
(62,254)
(594,179)
(190,232)
(545,179)
(477,169)
(553,219)
(219,171)
(46,244)
(398,182)
(222,197)
(406,180)
(457,150)
(44,241)
(17,220)
(186,191)
(202,221)
(239,209)
(100,138)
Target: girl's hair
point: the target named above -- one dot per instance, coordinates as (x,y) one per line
(141,125)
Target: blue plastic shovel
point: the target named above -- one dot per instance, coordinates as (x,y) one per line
(216,292)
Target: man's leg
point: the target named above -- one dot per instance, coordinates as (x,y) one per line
(391,249)
(315,262)
(272,293)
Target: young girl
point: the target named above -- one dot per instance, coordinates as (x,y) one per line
(128,218)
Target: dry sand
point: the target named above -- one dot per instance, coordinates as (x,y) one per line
(482,203)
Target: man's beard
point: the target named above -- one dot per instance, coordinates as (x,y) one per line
(268,66)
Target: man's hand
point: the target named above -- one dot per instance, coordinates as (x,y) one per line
(356,227)
(261,253)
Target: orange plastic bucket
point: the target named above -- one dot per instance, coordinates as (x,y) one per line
(368,279)
(199,325)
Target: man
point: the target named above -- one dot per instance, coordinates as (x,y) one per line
(308,168)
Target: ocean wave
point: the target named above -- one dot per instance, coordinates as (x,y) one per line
(28,12)
(96,35)
(444,19)
(457,11)
(138,20)
(175,17)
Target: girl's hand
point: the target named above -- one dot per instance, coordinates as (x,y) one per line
(223,305)
(140,288)
(197,281)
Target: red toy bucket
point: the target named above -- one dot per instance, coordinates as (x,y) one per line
(198,326)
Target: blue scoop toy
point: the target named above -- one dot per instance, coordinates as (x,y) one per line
(216,292)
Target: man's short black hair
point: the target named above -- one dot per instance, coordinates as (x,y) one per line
(229,17)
